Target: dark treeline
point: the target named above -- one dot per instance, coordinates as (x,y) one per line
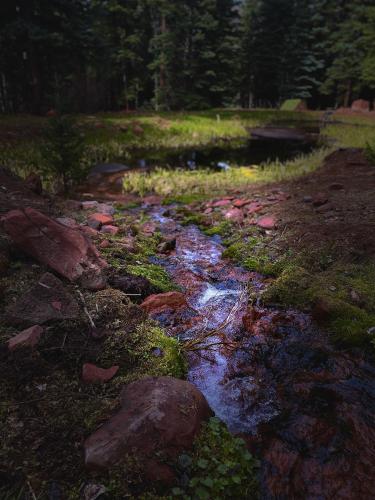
(89,55)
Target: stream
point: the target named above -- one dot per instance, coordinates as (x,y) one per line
(304,407)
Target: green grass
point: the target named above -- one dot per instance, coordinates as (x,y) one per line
(291,104)
(205,182)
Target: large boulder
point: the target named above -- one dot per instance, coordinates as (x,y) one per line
(65,250)
(159,419)
(46,301)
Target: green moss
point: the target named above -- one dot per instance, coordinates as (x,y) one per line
(185,199)
(219,467)
(223,229)
(157,275)
(347,320)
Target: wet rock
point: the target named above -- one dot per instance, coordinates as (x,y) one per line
(133,285)
(34,183)
(65,250)
(268,222)
(156,304)
(235,215)
(159,419)
(167,246)
(27,338)
(98,220)
(109,229)
(46,301)
(92,374)
(89,231)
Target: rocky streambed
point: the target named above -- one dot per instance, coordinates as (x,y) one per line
(304,407)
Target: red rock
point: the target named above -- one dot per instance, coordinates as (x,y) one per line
(105,244)
(208,211)
(239,203)
(63,249)
(104,208)
(128,242)
(220,203)
(361,105)
(27,338)
(99,220)
(267,222)
(254,208)
(92,374)
(159,417)
(235,215)
(155,304)
(110,230)
(152,200)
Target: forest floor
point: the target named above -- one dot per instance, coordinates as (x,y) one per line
(305,247)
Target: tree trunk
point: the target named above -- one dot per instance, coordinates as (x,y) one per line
(348,94)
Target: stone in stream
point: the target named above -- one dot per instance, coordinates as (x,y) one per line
(159,418)
(46,301)
(97,220)
(156,304)
(67,251)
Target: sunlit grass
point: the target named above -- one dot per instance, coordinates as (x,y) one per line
(206,182)
(351,135)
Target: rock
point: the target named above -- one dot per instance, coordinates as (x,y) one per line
(93,491)
(109,229)
(129,244)
(72,205)
(361,105)
(68,222)
(336,186)
(65,250)
(253,208)
(105,244)
(268,222)
(104,208)
(158,420)
(371,331)
(161,302)
(89,205)
(94,281)
(133,285)
(92,374)
(34,183)
(167,246)
(235,215)
(46,301)
(239,203)
(98,220)
(27,338)
(221,203)
(319,200)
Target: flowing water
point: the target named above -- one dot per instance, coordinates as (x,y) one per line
(304,407)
